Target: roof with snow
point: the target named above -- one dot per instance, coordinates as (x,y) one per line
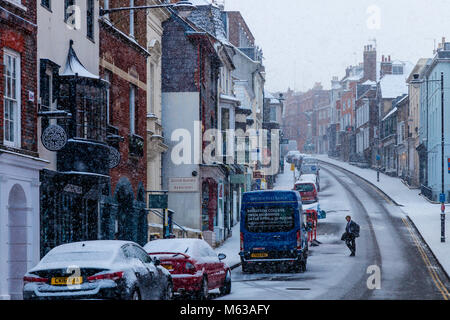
(394,110)
(74,67)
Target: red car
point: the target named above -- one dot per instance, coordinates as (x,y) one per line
(308,191)
(195,267)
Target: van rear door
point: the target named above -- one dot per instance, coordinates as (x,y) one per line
(270,228)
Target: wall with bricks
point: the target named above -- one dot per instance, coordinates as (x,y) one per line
(126,65)
(18,33)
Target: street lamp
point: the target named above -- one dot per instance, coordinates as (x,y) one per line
(416,82)
(183,6)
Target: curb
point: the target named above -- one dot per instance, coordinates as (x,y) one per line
(234,266)
(373,185)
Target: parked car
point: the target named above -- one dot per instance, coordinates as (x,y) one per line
(310,168)
(311,177)
(291,154)
(308,190)
(195,267)
(108,269)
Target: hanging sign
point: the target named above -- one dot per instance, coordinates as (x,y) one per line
(54,137)
(114,157)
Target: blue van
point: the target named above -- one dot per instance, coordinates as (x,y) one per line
(273,230)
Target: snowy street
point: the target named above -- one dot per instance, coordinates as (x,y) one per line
(388,241)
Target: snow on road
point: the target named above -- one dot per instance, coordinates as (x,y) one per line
(425,215)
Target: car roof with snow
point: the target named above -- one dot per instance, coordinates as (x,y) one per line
(84,254)
(190,247)
(307,178)
(92,245)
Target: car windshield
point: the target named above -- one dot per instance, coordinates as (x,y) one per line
(269,219)
(304,187)
(78,256)
(309,169)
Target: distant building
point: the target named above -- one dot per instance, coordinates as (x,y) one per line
(431,130)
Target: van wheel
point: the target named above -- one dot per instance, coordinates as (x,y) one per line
(246,268)
(300,265)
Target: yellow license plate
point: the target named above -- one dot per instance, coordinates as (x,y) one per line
(259,255)
(168,267)
(66,281)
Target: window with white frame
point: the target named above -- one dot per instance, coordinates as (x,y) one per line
(107,77)
(152,88)
(11,116)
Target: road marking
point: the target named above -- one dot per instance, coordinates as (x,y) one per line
(431,270)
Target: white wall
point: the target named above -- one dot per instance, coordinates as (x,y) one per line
(18,173)
(179,111)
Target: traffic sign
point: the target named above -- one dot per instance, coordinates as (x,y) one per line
(442,198)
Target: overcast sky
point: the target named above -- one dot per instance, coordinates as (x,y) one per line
(308,41)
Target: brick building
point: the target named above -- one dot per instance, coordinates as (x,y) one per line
(190,74)
(19,159)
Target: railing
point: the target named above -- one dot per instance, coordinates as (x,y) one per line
(426,191)
(185,232)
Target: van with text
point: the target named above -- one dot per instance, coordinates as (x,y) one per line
(273,231)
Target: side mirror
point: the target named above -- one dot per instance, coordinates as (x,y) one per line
(221,256)
(156,261)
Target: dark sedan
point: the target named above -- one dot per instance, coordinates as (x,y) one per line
(98,270)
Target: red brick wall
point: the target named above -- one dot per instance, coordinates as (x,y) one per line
(124,55)
(234,19)
(18,33)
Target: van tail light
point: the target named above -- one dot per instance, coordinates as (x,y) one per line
(242,241)
(106,276)
(189,268)
(299,241)
(34,279)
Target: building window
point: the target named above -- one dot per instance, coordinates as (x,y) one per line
(397,69)
(152,88)
(273,114)
(90,18)
(132,109)
(12,89)
(68,9)
(107,77)
(46,3)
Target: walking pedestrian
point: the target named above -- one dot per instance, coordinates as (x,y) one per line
(351,233)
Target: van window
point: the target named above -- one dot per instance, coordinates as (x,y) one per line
(269,219)
(304,187)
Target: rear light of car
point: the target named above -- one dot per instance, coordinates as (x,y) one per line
(242,241)
(34,280)
(189,268)
(106,276)
(299,241)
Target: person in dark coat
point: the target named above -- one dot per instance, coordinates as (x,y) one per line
(351,233)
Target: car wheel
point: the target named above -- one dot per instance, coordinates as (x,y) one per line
(136,295)
(203,294)
(168,292)
(226,288)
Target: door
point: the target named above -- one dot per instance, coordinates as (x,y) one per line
(153,278)
(141,272)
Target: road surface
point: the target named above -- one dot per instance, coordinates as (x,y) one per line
(388,243)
